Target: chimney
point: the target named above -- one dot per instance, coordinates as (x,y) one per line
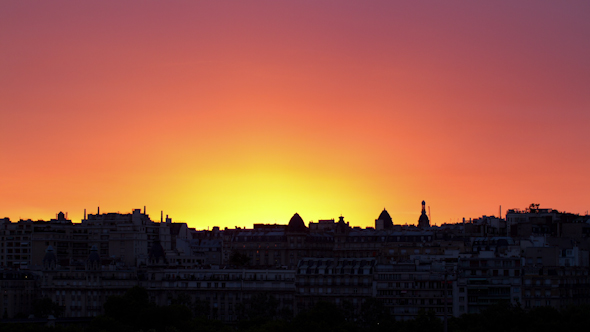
(84,214)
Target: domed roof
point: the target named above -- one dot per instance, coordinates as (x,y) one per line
(384,215)
(386,220)
(296,224)
(423,221)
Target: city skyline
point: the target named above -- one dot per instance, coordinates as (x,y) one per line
(161,216)
(234,114)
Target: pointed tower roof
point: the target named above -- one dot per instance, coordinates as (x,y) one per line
(386,220)
(384,215)
(296,224)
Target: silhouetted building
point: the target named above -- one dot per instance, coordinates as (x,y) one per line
(344,280)
(423,221)
(384,221)
(454,269)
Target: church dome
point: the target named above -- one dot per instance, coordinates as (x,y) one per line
(384,216)
(423,221)
(296,224)
(384,221)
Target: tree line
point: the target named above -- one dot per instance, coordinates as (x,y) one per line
(133,312)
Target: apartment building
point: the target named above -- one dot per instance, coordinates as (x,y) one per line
(337,280)
(407,288)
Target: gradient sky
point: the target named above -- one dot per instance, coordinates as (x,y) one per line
(231,113)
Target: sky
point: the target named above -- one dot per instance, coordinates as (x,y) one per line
(230,113)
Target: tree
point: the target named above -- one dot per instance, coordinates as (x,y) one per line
(375,316)
(128,308)
(323,317)
(258,310)
(44,307)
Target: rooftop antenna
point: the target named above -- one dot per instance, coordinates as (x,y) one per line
(144,209)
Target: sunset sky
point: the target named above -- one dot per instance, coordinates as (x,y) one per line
(231,113)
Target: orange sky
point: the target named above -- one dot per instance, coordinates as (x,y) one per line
(231,113)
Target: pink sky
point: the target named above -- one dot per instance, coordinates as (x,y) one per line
(233,113)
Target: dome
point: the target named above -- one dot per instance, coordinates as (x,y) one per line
(296,224)
(384,221)
(384,216)
(423,221)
